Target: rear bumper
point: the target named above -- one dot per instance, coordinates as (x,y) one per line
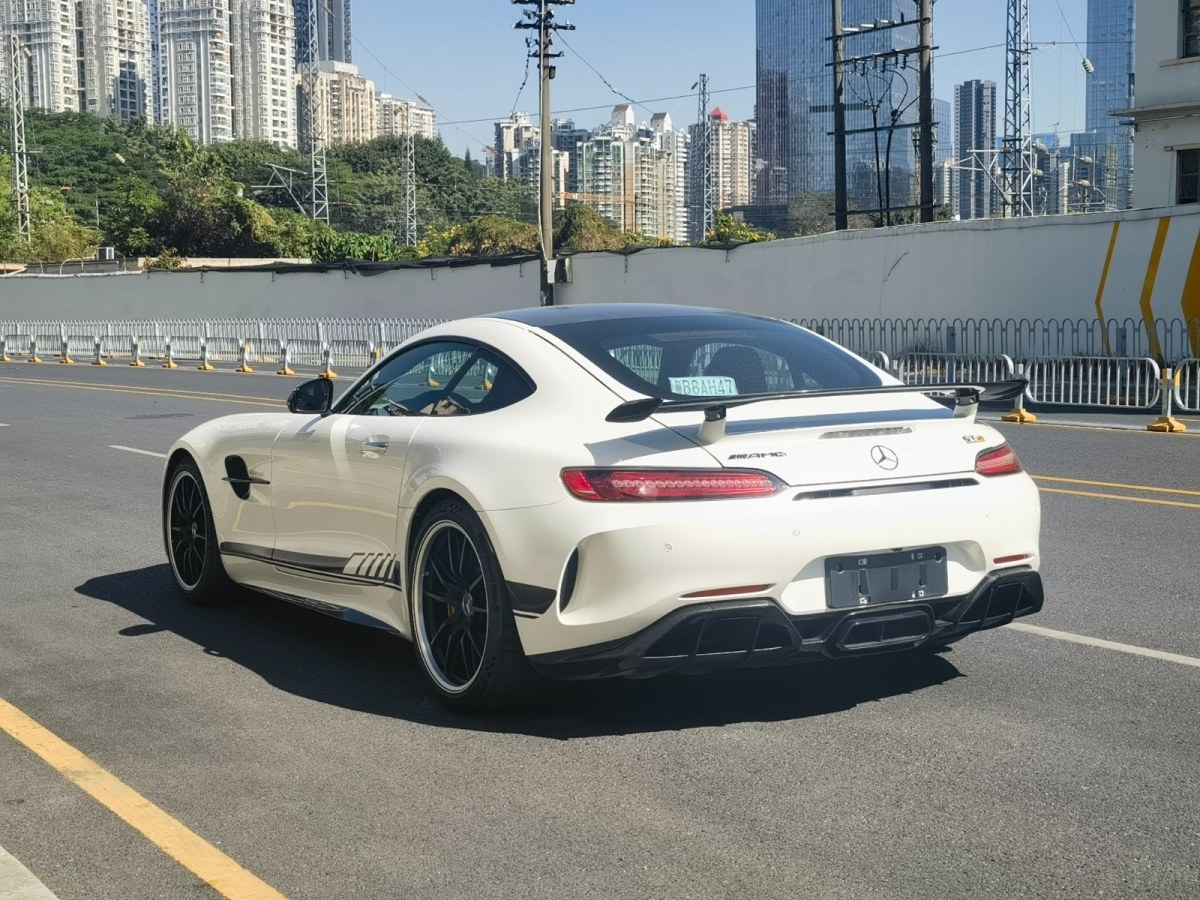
(707,636)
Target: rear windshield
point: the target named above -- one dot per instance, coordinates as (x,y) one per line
(674,357)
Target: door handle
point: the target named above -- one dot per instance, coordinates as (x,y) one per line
(375,446)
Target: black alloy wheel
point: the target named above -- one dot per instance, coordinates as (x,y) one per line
(463,627)
(191,539)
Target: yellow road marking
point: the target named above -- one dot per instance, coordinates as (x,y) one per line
(1112,245)
(1160,238)
(148,392)
(182,844)
(1116,484)
(1047,490)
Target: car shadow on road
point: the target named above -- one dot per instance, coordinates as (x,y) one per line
(356,668)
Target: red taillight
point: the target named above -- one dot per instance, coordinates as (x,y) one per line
(997,461)
(657,484)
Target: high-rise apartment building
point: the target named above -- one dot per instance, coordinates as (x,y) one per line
(394,116)
(196,68)
(514,136)
(334,38)
(733,168)
(1110,38)
(47,30)
(115,58)
(794,102)
(262,40)
(671,207)
(345,105)
(974,143)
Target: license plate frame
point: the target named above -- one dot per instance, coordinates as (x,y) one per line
(898,576)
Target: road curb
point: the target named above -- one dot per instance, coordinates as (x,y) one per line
(18,883)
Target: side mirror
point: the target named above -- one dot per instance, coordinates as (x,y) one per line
(314,396)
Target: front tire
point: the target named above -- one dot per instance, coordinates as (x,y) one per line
(463,627)
(191,539)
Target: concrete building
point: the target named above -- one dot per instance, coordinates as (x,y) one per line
(974,138)
(335,42)
(514,136)
(671,192)
(392,117)
(1167,113)
(345,105)
(197,68)
(115,58)
(733,160)
(262,37)
(794,102)
(47,31)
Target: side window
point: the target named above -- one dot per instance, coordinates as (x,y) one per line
(444,378)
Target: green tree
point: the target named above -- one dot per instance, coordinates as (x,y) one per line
(732,230)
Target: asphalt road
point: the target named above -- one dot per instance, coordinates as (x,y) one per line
(307,750)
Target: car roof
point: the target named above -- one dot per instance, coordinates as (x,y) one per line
(543,316)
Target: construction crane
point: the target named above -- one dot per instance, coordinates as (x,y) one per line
(20,161)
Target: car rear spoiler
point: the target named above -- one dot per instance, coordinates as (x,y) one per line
(962,398)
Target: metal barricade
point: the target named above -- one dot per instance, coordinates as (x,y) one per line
(17,343)
(116,346)
(952,368)
(264,351)
(305,352)
(356,354)
(185,346)
(154,346)
(1130,383)
(877,358)
(1187,385)
(222,348)
(81,345)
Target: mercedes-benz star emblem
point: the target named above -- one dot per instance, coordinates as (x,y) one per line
(884,457)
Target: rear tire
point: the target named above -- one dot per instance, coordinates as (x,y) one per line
(191,539)
(463,627)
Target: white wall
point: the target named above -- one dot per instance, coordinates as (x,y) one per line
(1046,267)
(403,293)
(1034,268)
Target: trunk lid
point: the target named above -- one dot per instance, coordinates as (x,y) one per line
(835,440)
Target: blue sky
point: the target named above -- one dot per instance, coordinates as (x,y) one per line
(468,61)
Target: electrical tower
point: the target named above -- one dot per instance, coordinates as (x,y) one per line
(1017,142)
(316,144)
(704,128)
(410,176)
(20,161)
(543,22)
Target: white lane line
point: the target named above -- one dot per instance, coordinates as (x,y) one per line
(18,883)
(136,450)
(1106,645)
(5,425)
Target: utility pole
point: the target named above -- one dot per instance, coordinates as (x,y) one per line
(840,217)
(1017,141)
(316,144)
(543,21)
(925,107)
(704,126)
(20,160)
(885,61)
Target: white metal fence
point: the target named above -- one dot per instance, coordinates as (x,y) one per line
(1102,364)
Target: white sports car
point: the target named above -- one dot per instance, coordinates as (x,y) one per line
(607,490)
